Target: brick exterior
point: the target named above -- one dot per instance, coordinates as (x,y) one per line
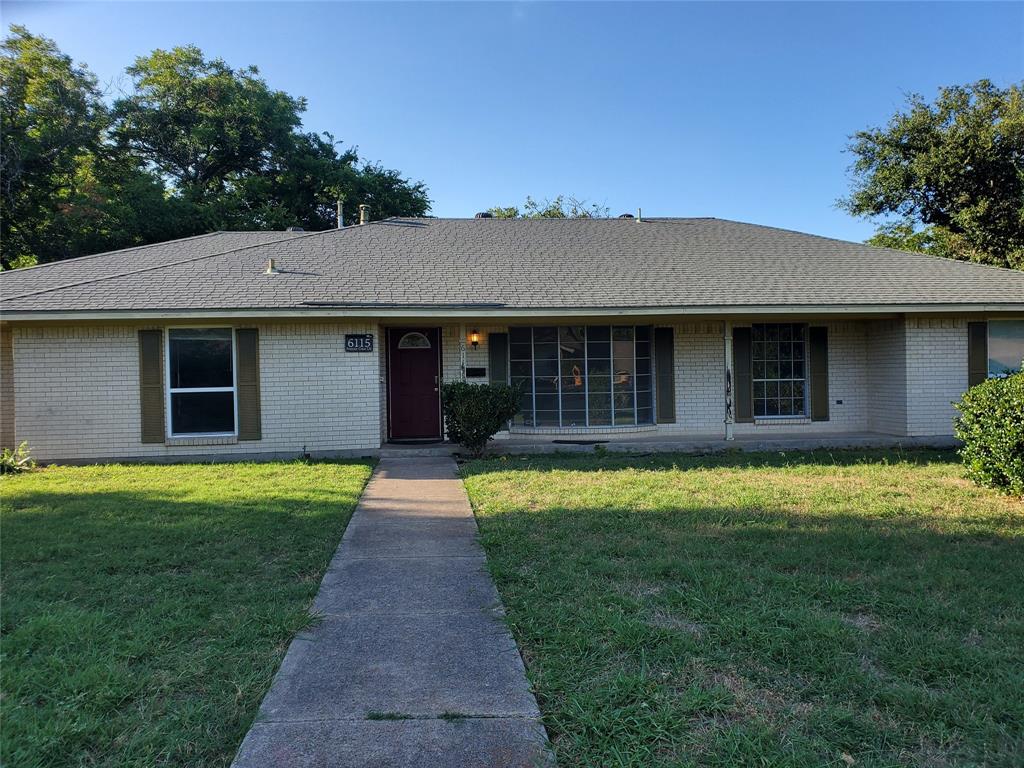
(7,438)
(77,388)
(887,377)
(936,351)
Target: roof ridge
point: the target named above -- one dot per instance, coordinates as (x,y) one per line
(160,266)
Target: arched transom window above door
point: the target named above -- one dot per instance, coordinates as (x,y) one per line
(414,340)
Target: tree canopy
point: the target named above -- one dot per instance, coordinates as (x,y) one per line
(560,207)
(947,177)
(193,146)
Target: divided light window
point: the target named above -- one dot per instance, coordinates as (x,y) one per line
(579,376)
(780,369)
(201,381)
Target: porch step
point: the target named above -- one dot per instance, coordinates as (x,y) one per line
(394,451)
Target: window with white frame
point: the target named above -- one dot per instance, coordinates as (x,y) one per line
(780,369)
(1005,346)
(201,381)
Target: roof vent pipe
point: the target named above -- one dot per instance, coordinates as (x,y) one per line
(364,214)
(340,221)
(639,216)
(271,269)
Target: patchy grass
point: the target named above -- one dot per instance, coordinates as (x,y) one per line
(773,610)
(147,608)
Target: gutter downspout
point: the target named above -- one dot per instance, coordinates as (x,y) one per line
(729,417)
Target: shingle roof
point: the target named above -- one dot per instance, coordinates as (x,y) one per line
(509,264)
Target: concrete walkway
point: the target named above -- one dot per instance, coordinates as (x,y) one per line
(411,664)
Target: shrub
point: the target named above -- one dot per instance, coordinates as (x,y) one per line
(16,460)
(473,413)
(991,424)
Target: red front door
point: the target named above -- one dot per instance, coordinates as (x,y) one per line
(414,376)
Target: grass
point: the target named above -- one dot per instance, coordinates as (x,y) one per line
(146,608)
(844,609)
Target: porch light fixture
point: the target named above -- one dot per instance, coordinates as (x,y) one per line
(474,338)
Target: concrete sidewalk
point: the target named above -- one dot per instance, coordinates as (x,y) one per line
(411,664)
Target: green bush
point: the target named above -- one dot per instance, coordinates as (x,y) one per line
(991,424)
(16,460)
(473,413)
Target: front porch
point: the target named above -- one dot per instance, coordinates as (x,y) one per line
(675,383)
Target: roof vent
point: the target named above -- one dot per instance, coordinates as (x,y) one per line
(294,229)
(484,215)
(364,214)
(625,215)
(271,268)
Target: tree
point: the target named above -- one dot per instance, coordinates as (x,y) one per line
(561,207)
(201,123)
(231,147)
(951,172)
(194,146)
(52,114)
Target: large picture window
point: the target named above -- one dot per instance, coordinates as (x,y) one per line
(1005,346)
(201,381)
(582,376)
(780,370)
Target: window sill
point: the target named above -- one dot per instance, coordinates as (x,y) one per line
(523,430)
(771,421)
(211,440)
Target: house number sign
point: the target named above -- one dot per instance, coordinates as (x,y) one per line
(359,342)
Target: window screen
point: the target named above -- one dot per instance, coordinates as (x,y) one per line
(201,381)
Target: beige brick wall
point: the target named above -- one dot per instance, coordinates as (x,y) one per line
(475,358)
(79,393)
(936,352)
(700,378)
(887,377)
(700,383)
(7,434)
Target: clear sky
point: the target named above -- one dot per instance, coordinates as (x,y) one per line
(734,110)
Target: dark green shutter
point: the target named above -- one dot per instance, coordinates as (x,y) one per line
(151,386)
(665,378)
(497,357)
(743,382)
(977,353)
(248,379)
(818,351)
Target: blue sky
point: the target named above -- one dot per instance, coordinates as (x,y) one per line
(734,110)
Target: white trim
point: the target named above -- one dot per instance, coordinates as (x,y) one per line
(169,391)
(441,312)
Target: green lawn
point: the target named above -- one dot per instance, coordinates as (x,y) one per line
(146,608)
(861,609)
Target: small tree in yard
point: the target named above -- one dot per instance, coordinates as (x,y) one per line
(991,424)
(474,413)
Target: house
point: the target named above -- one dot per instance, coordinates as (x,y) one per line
(331,343)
